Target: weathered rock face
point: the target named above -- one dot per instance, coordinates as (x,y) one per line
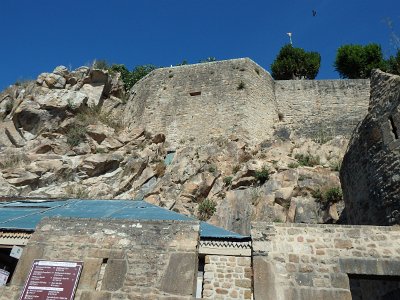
(71,142)
(370,172)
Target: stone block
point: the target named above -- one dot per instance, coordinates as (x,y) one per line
(340,280)
(90,273)
(304,279)
(30,253)
(114,275)
(95,295)
(179,277)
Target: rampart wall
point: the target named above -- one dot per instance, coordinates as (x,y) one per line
(307,261)
(318,108)
(195,103)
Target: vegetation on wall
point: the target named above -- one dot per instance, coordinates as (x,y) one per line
(295,63)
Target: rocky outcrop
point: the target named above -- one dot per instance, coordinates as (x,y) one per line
(69,141)
(370,172)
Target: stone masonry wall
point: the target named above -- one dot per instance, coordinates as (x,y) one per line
(227,277)
(228,97)
(322,108)
(195,103)
(370,173)
(304,261)
(146,260)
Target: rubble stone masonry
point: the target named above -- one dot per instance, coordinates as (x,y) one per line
(141,260)
(227,277)
(304,261)
(196,103)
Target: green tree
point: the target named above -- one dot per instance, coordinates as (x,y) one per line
(295,63)
(393,64)
(357,61)
(130,78)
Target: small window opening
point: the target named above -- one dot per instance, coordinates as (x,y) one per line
(200,277)
(195,93)
(7,266)
(394,128)
(101,274)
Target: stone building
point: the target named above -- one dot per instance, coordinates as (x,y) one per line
(129,250)
(135,250)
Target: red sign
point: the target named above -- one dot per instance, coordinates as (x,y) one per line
(55,280)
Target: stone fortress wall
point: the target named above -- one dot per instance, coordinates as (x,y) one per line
(194,103)
(319,108)
(197,102)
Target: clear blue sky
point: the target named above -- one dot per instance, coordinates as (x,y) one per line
(39,35)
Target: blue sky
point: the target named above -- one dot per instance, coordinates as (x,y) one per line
(39,35)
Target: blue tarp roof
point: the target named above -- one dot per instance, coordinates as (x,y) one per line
(25,215)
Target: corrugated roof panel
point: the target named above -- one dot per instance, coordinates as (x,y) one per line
(27,214)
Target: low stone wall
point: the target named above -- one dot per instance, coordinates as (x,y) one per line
(304,261)
(227,277)
(142,260)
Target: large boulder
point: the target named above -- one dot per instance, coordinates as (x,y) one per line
(51,81)
(61,99)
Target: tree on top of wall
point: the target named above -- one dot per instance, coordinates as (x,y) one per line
(295,63)
(357,61)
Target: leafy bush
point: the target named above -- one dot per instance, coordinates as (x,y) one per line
(333,195)
(130,78)
(293,165)
(307,160)
(295,63)
(206,209)
(327,196)
(228,180)
(262,175)
(357,61)
(393,64)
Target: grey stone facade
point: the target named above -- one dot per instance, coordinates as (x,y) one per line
(370,173)
(145,259)
(196,103)
(304,261)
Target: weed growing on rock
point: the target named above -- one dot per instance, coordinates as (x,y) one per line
(327,196)
(293,165)
(235,169)
(228,180)
(307,160)
(12,160)
(76,134)
(262,175)
(206,209)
